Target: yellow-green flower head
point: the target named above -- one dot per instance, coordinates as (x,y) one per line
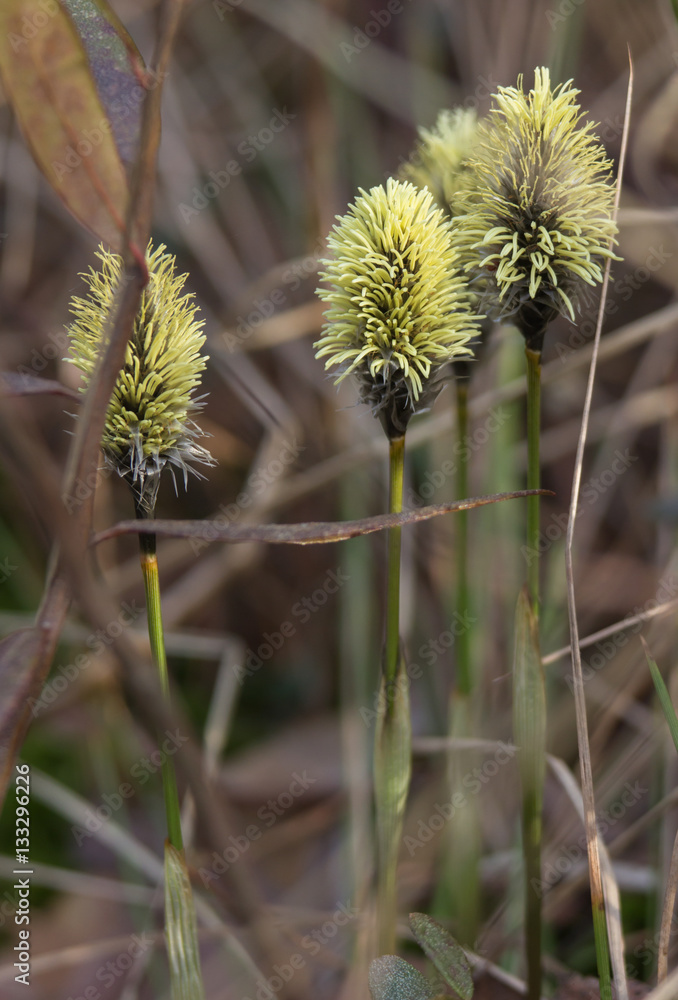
(148,424)
(399,308)
(440,161)
(539,215)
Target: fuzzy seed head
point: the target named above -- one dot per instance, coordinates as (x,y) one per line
(440,160)
(399,308)
(148,424)
(538,218)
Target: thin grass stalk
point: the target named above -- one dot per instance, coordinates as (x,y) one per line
(532,790)
(393,736)
(463,644)
(149,569)
(597,894)
(458,893)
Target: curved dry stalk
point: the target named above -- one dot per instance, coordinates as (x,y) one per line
(304,533)
(603,950)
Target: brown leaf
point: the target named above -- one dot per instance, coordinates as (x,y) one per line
(305,533)
(49,83)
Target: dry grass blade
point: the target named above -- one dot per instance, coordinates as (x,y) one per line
(305,533)
(592,839)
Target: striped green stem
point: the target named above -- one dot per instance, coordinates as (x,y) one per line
(393,736)
(533,471)
(395,506)
(533,791)
(149,569)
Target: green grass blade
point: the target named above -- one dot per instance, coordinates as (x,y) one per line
(181,929)
(663,695)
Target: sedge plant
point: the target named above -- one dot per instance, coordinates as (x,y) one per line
(398,312)
(148,428)
(535,229)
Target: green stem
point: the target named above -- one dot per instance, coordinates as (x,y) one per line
(393,739)
(533,471)
(149,568)
(464,675)
(532,834)
(395,506)
(602,950)
(532,797)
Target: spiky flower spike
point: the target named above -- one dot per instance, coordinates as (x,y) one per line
(439,161)
(539,216)
(148,424)
(399,308)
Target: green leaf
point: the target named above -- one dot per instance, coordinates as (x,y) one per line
(50,86)
(663,694)
(447,956)
(118,70)
(392,978)
(181,929)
